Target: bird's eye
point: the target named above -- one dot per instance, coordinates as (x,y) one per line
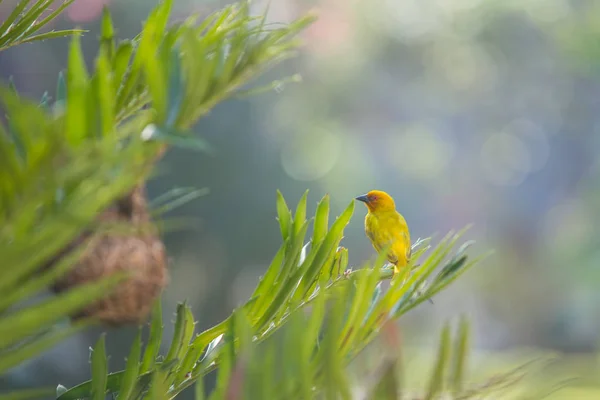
(373,198)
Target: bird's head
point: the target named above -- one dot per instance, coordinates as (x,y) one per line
(376,200)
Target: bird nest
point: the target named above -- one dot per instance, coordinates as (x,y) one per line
(139,253)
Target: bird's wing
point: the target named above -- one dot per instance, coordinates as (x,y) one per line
(388,240)
(371,235)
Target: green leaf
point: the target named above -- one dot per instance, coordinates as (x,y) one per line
(292,258)
(460,356)
(113,384)
(436,382)
(105,94)
(30,287)
(336,384)
(61,88)
(366,282)
(284,216)
(374,301)
(176,88)
(76,118)
(23,30)
(170,136)
(16,326)
(18,355)
(330,243)
(178,334)
(5,27)
(153,345)
(175,198)
(99,369)
(288,278)
(459,267)
(184,330)
(107,34)
(264,288)
(226,361)
(121,63)
(300,216)
(199,389)
(156,78)
(388,385)
(52,35)
(341,263)
(132,369)
(192,355)
(158,388)
(321,220)
(146,54)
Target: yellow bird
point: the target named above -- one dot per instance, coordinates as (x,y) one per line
(385,226)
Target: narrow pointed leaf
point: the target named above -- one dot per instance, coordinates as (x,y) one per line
(264,289)
(437,380)
(61,88)
(14,327)
(77,119)
(132,368)
(99,369)
(330,243)
(321,220)
(121,63)
(178,334)
(300,216)
(105,94)
(18,355)
(199,389)
(107,34)
(153,345)
(158,388)
(284,216)
(175,138)
(5,32)
(52,35)
(460,357)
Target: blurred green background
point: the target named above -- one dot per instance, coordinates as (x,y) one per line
(466,111)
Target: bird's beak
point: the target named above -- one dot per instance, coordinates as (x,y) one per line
(362,198)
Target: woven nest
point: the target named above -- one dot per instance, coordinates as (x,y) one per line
(140,253)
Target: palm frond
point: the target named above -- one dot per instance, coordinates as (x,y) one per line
(63,162)
(23,23)
(347,311)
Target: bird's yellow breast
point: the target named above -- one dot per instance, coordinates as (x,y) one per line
(389,228)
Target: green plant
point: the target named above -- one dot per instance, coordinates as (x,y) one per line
(22,24)
(65,161)
(301,275)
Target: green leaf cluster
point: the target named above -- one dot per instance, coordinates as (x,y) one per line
(68,157)
(63,160)
(23,24)
(307,319)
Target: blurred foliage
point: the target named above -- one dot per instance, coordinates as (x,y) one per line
(347,309)
(61,169)
(22,24)
(480,117)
